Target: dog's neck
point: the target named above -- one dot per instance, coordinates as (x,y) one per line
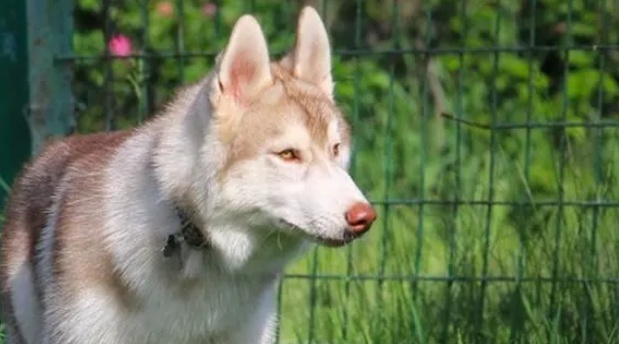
(233,245)
(239,248)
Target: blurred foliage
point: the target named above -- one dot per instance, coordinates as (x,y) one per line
(537,84)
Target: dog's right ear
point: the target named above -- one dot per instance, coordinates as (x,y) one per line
(311,57)
(243,68)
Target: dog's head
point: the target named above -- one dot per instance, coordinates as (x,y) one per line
(287,145)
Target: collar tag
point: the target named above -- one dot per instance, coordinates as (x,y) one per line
(188,233)
(172,245)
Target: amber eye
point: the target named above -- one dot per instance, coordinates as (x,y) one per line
(336,149)
(289,155)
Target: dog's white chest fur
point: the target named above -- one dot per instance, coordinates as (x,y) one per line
(215,307)
(211,308)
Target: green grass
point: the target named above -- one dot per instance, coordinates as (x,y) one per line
(414,251)
(395,311)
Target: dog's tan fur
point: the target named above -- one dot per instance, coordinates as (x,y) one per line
(80,255)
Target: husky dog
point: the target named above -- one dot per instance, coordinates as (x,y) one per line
(178,231)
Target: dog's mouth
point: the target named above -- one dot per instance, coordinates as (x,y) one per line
(319,239)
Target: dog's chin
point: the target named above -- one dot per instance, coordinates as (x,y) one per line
(331,242)
(319,239)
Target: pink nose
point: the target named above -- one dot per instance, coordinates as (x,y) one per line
(360,217)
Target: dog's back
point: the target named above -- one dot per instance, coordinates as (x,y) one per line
(29,221)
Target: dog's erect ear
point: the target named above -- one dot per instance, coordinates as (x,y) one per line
(311,58)
(243,67)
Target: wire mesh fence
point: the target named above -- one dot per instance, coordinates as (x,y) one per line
(485,133)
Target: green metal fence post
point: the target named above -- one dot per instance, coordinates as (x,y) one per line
(35,91)
(14,93)
(50,26)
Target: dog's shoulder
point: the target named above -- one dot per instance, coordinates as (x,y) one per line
(32,193)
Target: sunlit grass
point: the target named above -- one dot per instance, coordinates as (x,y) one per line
(519,303)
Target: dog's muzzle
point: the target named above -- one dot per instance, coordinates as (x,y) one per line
(359,219)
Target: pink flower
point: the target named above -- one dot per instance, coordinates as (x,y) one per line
(120,45)
(209,9)
(165,8)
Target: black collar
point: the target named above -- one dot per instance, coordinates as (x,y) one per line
(188,233)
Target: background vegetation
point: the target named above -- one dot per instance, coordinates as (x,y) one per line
(488,146)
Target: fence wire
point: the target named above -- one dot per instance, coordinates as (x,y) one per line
(485,134)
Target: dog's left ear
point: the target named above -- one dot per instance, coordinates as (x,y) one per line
(244,66)
(310,59)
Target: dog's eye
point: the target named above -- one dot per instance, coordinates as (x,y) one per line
(289,155)
(336,149)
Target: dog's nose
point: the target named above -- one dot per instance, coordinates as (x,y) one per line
(360,217)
